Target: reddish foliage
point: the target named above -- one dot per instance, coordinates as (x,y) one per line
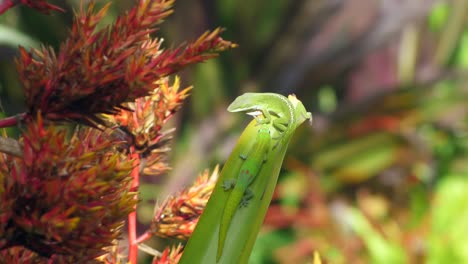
(169,255)
(143,120)
(66,200)
(96,71)
(66,197)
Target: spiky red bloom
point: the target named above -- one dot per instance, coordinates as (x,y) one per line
(169,255)
(144,120)
(67,198)
(178,215)
(40,5)
(97,71)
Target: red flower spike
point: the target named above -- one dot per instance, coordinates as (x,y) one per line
(178,215)
(73,199)
(143,120)
(97,72)
(169,255)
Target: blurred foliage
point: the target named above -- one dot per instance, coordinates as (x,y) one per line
(382,172)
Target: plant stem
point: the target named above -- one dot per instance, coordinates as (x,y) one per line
(11,120)
(133,246)
(147,235)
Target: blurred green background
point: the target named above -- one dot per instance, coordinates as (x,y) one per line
(380,176)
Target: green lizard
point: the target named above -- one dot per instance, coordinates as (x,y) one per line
(240,195)
(282,116)
(274,108)
(281,113)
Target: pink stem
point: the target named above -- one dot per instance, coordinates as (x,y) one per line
(132,222)
(11,120)
(147,235)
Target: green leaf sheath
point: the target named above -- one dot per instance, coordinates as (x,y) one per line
(251,166)
(281,116)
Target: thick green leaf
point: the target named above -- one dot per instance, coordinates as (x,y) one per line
(202,245)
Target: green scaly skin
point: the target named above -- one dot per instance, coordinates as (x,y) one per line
(240,194)
(273,108)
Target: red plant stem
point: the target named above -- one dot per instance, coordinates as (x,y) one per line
(132,222)
(11,120)
(147,235)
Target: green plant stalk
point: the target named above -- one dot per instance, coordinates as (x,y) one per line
(243,230)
